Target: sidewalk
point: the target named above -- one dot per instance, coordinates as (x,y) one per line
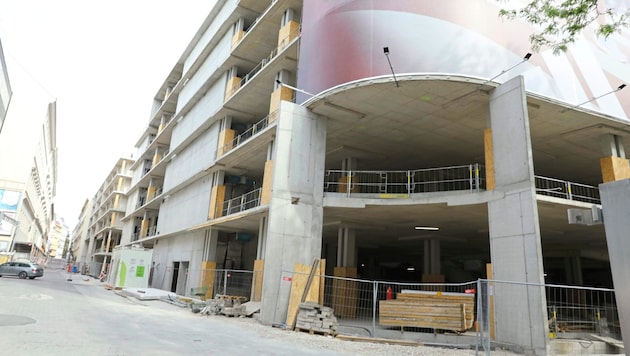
(150,297)
(77,278)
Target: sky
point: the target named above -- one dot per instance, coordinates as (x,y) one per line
(102,62)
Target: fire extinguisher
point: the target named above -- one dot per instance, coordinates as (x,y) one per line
(389,293)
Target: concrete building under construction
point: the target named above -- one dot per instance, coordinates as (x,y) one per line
(402,140)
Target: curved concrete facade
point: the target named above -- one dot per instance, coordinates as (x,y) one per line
(343,41)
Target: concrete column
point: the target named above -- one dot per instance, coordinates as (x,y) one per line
(520,310)
(294,226)
(346,247)
(262,238)
(432,261)
(573,270)
(426,269)
(435,257)
(616,208)
(612,145)
(210,245)
(349,164)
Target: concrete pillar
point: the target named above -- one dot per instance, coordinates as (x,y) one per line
(208,264)
(615,198)
(265,194)
(432,261)
(294,226)
(346,247)
(262,238)
(435,257)
(515,247)
(210,245)
(349,164)
(573,270)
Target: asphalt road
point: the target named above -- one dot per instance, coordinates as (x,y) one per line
(54,316)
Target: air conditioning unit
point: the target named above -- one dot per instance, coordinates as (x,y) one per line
(593,216)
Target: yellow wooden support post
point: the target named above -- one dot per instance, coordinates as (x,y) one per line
(614,168)
(265,193)
(489,157)
(208,271)
(257,281)
(217,196)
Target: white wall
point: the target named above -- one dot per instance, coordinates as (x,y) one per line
(185,208)
(210,64)
(193,159)
(221,17)
(207,106)
(187,247)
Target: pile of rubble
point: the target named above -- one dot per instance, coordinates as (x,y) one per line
(315,318)
(228,305)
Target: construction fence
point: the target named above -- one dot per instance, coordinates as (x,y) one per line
(404,310)
(192,282)
(573,312)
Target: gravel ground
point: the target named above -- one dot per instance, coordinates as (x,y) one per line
(346,347)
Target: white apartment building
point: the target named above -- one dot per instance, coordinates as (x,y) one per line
(80,238)
(28,192)
(59,234)
(104,230)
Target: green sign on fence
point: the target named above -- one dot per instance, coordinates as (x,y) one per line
(140,271)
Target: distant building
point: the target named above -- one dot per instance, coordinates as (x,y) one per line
(28,194)
(59,234)
(104,230)
(5,88)
(81,239)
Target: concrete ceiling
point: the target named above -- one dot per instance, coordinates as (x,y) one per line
(431,121)
(437,121)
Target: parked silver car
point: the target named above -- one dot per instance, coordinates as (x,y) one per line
(21,269)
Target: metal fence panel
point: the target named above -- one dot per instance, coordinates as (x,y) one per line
(572,312)
(356,304)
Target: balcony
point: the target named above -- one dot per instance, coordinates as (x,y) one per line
(249,133)
(401,184)
(152,231)
(244,202)
(284,43)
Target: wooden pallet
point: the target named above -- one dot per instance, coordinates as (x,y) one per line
(317,332)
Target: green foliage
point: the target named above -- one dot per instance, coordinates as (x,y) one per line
(561,21)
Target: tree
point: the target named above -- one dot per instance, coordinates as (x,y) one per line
(561,21)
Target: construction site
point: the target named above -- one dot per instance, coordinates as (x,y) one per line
(305,158)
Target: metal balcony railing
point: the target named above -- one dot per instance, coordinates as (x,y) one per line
(246,201)
(468,177)
(567,190)
(283,44)
(249,133)
(456,178)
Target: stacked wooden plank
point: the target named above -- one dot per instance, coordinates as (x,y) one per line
(315,318)
(434,310)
